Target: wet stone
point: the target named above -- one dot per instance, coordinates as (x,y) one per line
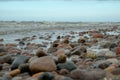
(19,60)
(46,76)
(45,63)
(67,65)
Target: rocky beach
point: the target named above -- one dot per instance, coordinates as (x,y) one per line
(59,50)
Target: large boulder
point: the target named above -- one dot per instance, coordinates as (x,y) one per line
(45,63)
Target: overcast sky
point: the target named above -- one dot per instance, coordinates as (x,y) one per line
(60,10)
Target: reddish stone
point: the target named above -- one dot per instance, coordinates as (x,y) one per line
(97,35)
(118,50)
(40,53)
(60,52)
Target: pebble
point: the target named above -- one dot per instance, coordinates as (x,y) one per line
(45,63)
(19,60)
(67,65)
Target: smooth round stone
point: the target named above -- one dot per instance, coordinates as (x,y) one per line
(40,53)
(67,65)
(45,63)
(78,74)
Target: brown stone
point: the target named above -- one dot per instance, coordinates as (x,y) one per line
(97,35)
(40,53)
(37,74)
(45,63)
(14,72)
(62,58)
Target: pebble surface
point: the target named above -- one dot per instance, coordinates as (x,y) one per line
(71,55)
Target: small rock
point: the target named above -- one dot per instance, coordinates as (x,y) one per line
(67,65)
(24,68)
(40,53)
(113,60)
(78,74)
(6,59)
(14,72)
(60,52)
(118,51)
(62,58)
(104,65)
(63,72)
(97,35)
(37,74)
(46,76)
(81,40)
(95,75)
(19,60)
(45,63)
(116,71)
(52,49)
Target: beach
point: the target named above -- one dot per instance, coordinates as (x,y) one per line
(59,50)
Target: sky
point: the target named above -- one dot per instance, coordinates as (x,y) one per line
(60,10)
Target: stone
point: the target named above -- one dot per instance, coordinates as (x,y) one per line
(40,53)
(62,58)
(6,59)
(45,63)
(117,50)
(32,58)
(37,74)
(60,52)
(113,60)
(67,65)
(104,65)
(97,35)
(65,41)
(18,61)
(105,44)
(46,76)
(78,74)
(63,72)
(81,40)
(95,75)
(14,72)
(79,51)
(116,71)
(52,50)
(24,68)
(64,46)
(113,46)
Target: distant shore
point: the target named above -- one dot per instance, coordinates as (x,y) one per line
(11,27)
